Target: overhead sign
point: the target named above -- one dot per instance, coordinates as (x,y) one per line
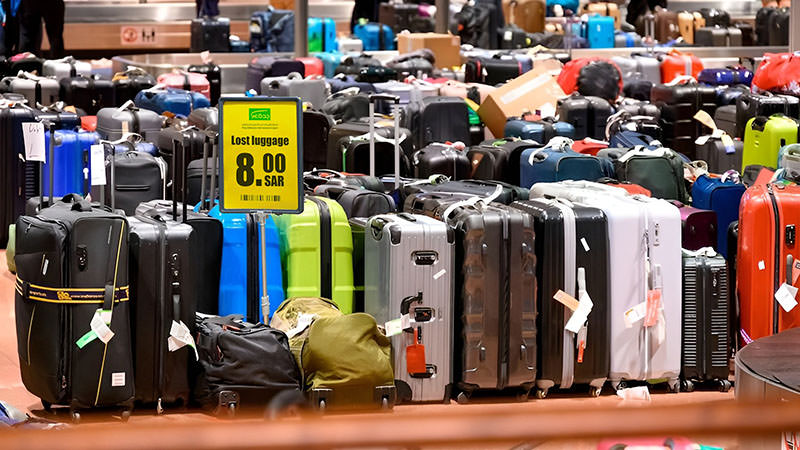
(261,149)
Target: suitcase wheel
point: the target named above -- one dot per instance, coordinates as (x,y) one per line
(687,386)
(462,398)
(724,385)
(522,396)
(47,406)
(76,417)
(619,385)
(126,414)
(322,406)
(595,391)
(541,393)
(385,404)
(674,386)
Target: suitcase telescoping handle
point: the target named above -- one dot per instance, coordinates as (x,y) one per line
(395,106)
(182,144)
(51,128)
(207,197)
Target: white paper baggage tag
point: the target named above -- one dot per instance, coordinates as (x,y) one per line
(98,328)
(585,304)
(33,139)
(303,321)
(785,295)
(393,327)
(179,337)
(635,314)
(97,162)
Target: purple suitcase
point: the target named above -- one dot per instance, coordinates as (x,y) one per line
(699,227)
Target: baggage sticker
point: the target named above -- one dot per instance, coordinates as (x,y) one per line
(179,337)
(653,307)
(439,274)
(585,244)
(761,265)
(795,272)
(118,379)
(98,165)
(393,327)
(635,314)
(33,139)
(99,329)
(566,300)
(785,295)
(405,321)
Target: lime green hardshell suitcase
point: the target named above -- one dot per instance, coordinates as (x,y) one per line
(317,252)
(764,137)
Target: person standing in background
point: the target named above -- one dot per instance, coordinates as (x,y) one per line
(9,42)
(31,13)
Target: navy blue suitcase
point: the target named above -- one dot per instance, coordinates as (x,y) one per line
(176,101)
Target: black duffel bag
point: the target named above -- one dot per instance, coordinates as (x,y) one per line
(243,366)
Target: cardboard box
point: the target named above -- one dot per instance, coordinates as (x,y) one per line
(536,89)
(445,47)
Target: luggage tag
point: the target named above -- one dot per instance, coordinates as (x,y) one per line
(99,328)
(580,342)
(415,355)
(179,337)
(795,272)
(785,295)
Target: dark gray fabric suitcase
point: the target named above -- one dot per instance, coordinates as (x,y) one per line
(719,158)
(72,259)
(133,177)
(725,118)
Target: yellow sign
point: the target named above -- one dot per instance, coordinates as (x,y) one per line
(261,154)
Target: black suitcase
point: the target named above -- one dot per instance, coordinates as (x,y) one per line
(214,75)
(347,107)
(404,16)
(678,106)
(88,94)
(706,327)
(751,105)
(748,36)
(512,37)
(733,306)
(344,134)
(719,158)
(725,118)
(72,263)
(21,177)
(478,23)
(352,65)
(779,27)
(730,94)
(437,119)
(316,128)
(718,37)
(491,70)
(640,108)
(267,66)
(192,140)
(473,188)
(716,17)
(210,34)
(358,202)
(639,123)
(498,159)
(133,177)
(762,25)
(495,301)
(638,90)
(565,357)
(587,114)
(441,159)
(199,172)
(128,83)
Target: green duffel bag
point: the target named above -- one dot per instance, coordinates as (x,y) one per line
(658,169)
(345,360)
(11,248)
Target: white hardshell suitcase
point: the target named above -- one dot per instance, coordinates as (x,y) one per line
(66,67)
(637,353)
(409,261)
(311,90)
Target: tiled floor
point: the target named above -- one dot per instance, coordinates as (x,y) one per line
(13,391)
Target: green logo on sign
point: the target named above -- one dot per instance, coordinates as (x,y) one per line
(260,114)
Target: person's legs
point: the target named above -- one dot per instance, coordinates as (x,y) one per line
(30,27)
(11,30)
(53,15)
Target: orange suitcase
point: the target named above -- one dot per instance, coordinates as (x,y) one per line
(675,64)
(768,220)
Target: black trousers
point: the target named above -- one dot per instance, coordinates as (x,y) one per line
(10,44)
(31,13)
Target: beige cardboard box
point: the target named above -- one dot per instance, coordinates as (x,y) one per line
(445,47)
(536,89)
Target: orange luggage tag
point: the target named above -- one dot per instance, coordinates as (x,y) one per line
(415,356)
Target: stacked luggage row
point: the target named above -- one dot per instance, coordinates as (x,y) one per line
(569,246)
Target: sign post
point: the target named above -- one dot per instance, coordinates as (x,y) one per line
(261,170)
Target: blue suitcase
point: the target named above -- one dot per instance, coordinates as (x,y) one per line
(330,61)
(372,37)
(722,197)
(70,159)
(322,35)
(176,101)
(600,31)
(548,165)
(240,273)
(725,77)
(630,139)
(539,131)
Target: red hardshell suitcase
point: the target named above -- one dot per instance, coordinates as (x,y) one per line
(766,257)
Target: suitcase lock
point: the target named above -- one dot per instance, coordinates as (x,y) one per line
(789,235)
(83,257)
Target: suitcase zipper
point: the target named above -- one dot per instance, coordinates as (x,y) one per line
(505,316)
(778,239)
(325,243)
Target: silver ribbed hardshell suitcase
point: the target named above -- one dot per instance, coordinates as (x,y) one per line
(408,261)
